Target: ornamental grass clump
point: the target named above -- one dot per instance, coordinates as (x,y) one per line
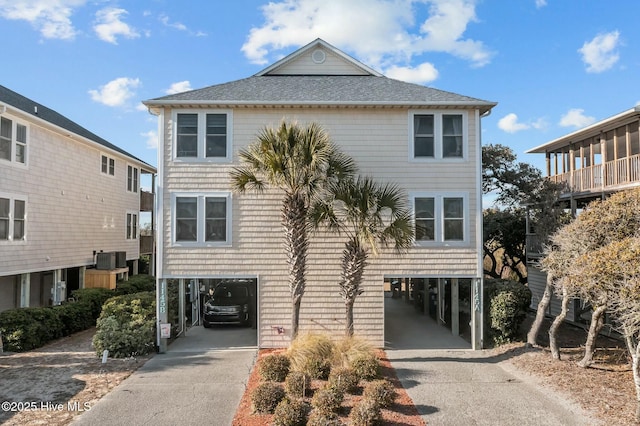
(274,367)
(296,384)
(382,392)
(266,397)
(291,412)
(312,354)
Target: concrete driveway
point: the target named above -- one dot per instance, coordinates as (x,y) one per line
(451,385)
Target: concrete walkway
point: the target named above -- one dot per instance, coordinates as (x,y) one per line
(459,386)
(199,381)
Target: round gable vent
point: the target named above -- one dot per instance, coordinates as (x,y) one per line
(318,56)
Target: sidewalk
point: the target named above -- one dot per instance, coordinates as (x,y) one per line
(195,382)
(465,387)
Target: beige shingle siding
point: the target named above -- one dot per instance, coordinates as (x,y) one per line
(305,65)
(257,237)
(71,206)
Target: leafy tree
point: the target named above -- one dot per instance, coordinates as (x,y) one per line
(369,214)
(299,161)
(504,243)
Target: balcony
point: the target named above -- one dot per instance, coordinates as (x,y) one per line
(146,244)
(146,201)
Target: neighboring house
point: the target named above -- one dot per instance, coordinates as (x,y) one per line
(593,162)
(65,196)
(425,140)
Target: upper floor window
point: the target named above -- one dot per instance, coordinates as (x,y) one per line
(132,179)
(202,219)
(13,217)
(132,226)
(204,136)
(438,135)
(13,141)
(440,217)
(108,165)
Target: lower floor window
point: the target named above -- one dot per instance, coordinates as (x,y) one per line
(201,218)
(13,217)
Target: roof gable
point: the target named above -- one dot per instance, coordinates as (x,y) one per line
(318,58)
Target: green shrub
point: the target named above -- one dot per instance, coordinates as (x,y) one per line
(127,325)
(344,379)
(95,297)
(382,392)
(327,400)
(296,384)
(136,284)
(506,305)
(290,412)
(365,413)
(317,418)
(266,397)
(274,367)
(366,366)
(24,329)
(75,317)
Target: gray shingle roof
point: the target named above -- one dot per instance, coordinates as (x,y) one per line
(16,100)
(321,90)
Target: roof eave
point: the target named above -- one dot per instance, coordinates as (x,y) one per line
(586,132)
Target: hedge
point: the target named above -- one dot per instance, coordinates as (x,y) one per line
(505,308)
(127,325)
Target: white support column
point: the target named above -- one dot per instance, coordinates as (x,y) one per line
(455,309)
(25,290)
(81,273)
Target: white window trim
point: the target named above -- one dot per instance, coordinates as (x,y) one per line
(201,219)
(14,142)
(109,157)
(202,136)
(12,198)
(437,122)
(439,218)
(137,182)
(126,225)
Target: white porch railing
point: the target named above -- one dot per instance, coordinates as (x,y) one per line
(619,172)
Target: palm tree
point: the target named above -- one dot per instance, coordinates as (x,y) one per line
(370,214)
(300,161)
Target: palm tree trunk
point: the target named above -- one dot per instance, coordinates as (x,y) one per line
(553,330)
(354,259)
(532,336)
(597,321)
(294,222)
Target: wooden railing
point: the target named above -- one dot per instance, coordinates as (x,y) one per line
(598,177)
(146,244)
(146,201)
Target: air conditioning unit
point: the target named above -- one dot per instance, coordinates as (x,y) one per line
(121,259)
(106,261)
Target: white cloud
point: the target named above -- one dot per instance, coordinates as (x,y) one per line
(509,123)
(177,25)
(575,118)
(178,87)
(600,54)
(108,25)
(115,92)
(51,17)
(386,32)
(151,138)
(541,3)
(422,74)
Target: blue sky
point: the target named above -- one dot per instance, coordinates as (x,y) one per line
(553,66)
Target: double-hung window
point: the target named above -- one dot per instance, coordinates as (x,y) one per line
(13,216)
(107,165)
(132,226)
(203,136)
(440,218)
(202,219)
(438,135)
(13,141)
(132,179)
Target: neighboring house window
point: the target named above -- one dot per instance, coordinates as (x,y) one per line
(438,135)
(13,217)
(132,179)
(13,141)
(202,219)
(132,226)
(203,136)
(440,218)
(108,165)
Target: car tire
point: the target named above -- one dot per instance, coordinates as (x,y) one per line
(206,324)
